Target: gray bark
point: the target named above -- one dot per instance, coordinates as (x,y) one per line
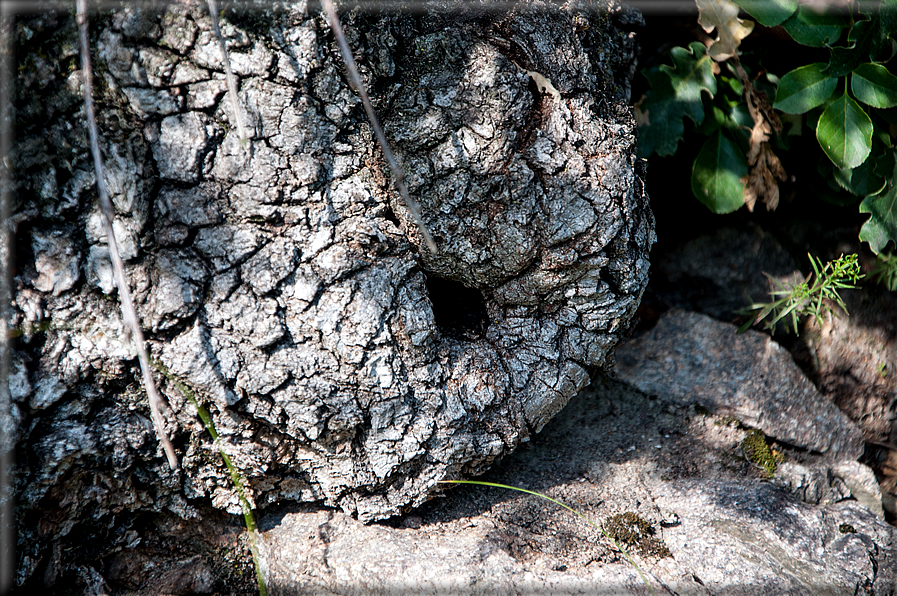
(285,282)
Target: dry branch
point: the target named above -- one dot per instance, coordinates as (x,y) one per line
(127,305)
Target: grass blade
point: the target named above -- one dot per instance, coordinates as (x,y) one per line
(568,508)
(235,476)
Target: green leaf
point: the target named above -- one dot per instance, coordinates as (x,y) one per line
(881,228)
(825,188)
(883,28)
(675,94)
(844,132)
(811,27)
(868,178)
(860,180)
(804,88)
(873,85)
(714,120)
(717,173)
(857,51)
(769,12)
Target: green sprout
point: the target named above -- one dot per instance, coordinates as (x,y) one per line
(795,299)
(235,476)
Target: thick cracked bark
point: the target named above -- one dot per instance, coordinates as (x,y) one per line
(285,282)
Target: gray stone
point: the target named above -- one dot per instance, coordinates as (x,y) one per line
(721,273)
(689,358)
(325,552)
(759,541)
(829,483)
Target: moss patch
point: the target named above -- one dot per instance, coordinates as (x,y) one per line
(631,530)
(758,452)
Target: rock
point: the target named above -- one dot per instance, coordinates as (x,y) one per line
(692,359)
(613,452)
(721,273)
(853,357)
(327,552)
(283,281)
(827,483)
(739,540)
(847,357)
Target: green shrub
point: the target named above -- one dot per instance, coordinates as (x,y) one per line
(849,103)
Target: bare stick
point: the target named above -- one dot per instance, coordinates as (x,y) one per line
(231,81)
(399,176)
(127,306)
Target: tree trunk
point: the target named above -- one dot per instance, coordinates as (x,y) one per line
(285,282)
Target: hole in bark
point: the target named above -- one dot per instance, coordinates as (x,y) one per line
(460,312)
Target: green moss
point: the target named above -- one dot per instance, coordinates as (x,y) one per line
(728,421)
(633,531)
(847,529)
(758,452)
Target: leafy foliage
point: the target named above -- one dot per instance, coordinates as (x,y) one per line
(804,88)
(675,95)
(854,130)
(844,132)
(882,226)
(769,13)
(809,297)
(717,173)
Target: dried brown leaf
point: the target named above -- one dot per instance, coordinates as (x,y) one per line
(762,179)
(722,15)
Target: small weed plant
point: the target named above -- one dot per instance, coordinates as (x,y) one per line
(813,296)
(235,476)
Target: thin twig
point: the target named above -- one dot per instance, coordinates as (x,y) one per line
(231,81)
(127,306)
(399,176)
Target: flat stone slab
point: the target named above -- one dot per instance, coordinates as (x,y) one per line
(690,358)
(327,552)
(773,544)
(613,451)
